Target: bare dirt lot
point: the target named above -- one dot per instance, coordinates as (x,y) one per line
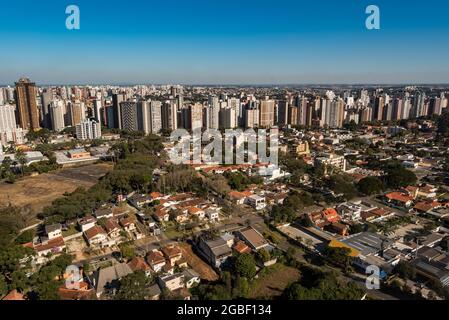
(39,191)
(204,270)
(273,283)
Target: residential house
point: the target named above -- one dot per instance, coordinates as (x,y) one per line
(257,202)
(156,260)
(161,214)
(53,231)
(172,282)
(331,215)
(112,228)
(156,196)
(172,253)
(191,278)
(128,224)
(376,214)
(215,251)
(229,238)
(139,264)
(87,222)
(95,236)
(146,219)
(399,199)
(350,210)
(427,191)
(108,279)
(241,247)
(104,212)
(318,219)
(53,246)
(139,200)
(213,214)
(237,197)
(196,212)
(252,238)
(426,206)
(81,291)
(338,228)
(154,292)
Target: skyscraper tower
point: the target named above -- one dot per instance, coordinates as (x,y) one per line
(116,121)
(27,112)
(46,98)
(266,113)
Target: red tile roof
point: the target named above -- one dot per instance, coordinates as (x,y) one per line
(111,225)
(172,251)
(50,244)
(155,257)
(241,247)
(138,263)
(94,231)
(13,295)
(397,196)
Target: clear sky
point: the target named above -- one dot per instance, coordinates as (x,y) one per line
(225,42)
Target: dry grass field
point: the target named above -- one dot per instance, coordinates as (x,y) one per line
(272,282)
(39,191)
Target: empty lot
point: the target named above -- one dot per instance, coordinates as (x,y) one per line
(39,191)
(272,281)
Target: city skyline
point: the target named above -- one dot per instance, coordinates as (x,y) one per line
(226,43)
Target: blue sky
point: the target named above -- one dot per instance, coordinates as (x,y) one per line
(225,42)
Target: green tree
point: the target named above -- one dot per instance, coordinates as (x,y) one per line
(245,266)
(370,186)
(397,176)
(127,250)
(19,281)
(25,237)
(132,286)
(405,270)
(21,160)
(3,286)
(342,185)
(264,255)
(443,124)
(339,257)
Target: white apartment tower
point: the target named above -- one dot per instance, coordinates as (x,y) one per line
(88,130)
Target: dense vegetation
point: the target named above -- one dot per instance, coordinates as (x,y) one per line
(15,262)
(240,181)
(133,171)
(290,209)
(318,285)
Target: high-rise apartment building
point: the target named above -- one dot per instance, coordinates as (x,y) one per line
(77,112)
(214,112)
(228,118)
(169,115)
(379,105)
(27,111)
(266,113)
(129,116)
(9,132)
(252,118)
(116,121)
(88,130)
(193,118)
(283,106)
(150,116)
(98,106)
(57,108)
(46,98)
